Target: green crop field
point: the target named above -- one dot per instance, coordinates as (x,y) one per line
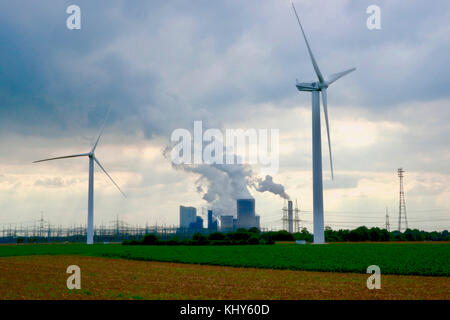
(431,259)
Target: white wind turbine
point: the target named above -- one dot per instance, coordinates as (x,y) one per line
(315,87)
(92,158)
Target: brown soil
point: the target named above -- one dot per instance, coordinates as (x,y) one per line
(44,277)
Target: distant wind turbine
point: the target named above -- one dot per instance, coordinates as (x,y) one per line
(315,88)
(92,158)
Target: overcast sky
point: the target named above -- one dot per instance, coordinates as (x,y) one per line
(160,65)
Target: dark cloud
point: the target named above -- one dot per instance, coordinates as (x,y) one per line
(161,64)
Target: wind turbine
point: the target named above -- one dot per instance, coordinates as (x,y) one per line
(92,158)
(315,87)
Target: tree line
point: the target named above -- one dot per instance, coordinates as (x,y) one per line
(242,236)
(254,236)
(374,234)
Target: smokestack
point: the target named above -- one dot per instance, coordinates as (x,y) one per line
(290,217)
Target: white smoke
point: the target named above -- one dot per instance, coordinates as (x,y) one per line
(222,184)
(268,185)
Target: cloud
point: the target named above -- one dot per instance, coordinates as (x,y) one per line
(56,182)
(342,181)
(157,62)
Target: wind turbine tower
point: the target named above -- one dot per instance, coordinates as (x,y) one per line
(317,87)
(92,159)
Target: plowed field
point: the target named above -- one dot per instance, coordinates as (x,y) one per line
(44,277)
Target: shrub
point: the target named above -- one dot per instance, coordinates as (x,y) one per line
(199,238)
(220,242)
(267,240)
(150,239)
(282,235)
(238,236)
(217,236)
(131,242)
(254,230)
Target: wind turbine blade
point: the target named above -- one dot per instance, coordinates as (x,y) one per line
(337,76)
(65,157)
(325,111)
(101,131)
(313,60)
(101,167)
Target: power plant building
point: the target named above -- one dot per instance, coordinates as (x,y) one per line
(246,217)
(198,224)
(188,215)
(212,223)
(226,223)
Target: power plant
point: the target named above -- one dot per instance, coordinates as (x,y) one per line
(245,218)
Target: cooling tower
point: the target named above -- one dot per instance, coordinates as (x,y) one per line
(246,213)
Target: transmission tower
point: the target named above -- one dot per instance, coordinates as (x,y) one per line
(285,217)
(297,225)
(388,225)
(402,204)
(41,225)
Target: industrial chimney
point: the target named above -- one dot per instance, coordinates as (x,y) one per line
(290,217)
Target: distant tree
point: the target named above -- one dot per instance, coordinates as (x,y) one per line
(239,236)
(150,239)
(303,235)
(253,240)
(363,233)
(331,236)
(385,235)
(375,234)
(200,238)
(217,236)
(254,230)
(398,236)
(283,235)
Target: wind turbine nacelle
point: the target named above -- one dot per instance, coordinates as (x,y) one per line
(307,86)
